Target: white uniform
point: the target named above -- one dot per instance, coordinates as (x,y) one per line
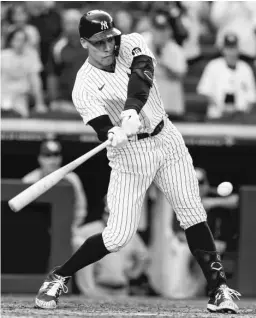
(218,80)
(163,159)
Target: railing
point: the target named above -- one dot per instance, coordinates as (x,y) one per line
(193,133)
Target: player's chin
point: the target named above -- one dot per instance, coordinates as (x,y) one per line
(108,60)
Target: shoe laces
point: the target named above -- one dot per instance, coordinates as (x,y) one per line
(228,293)
(56,286)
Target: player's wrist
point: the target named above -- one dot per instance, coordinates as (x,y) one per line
(128,113)
(133,104)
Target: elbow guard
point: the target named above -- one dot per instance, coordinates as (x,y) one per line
(141,80)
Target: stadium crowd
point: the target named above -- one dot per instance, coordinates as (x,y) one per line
(206,56)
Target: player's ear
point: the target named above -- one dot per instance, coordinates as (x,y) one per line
(84,43)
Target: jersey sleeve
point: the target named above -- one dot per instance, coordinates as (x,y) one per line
(249,86)
(174,58)
(34,61)
(86,103)
(134,45)
(206,82)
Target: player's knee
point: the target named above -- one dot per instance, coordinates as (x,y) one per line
(185,224)
(116,241)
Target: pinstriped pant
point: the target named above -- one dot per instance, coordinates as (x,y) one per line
(163,159)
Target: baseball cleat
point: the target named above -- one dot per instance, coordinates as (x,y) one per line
(221,301)
(50,291)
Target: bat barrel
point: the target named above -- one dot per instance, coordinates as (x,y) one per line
(41,186)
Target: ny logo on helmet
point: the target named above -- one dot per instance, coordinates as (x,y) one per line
(104,25)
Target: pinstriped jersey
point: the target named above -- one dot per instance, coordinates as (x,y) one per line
(97,92)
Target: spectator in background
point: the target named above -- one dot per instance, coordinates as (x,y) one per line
(50,159)
(237,17)
(171,65)
(18,18)
(228,82)
(111,275)
(20,68)
(45,17)
(66,57)
(194,17)
(5,24)
(123,21)
(174,12)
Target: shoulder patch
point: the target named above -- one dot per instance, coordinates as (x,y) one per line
(136,51)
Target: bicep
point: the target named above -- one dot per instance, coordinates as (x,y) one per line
(88,106)
(135,45)
(174,58)
(206,82)
(252,85)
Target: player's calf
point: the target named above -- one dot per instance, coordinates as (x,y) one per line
(50,291)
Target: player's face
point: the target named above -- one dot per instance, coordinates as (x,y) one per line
(18,41)
(231,53)
(101,53)
(49,163)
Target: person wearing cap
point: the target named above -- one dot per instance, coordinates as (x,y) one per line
(65,59)
(171,67)
(50,159)
(228,82)
(116,93)
(238,17)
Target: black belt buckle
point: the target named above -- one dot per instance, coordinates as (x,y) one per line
(156,131)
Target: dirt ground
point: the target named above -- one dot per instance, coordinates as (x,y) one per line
(78,306)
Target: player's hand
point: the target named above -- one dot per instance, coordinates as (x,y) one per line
(117,137)
(131,122)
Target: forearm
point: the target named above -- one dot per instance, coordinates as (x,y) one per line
(140,82)
(101,125)
(53,87)
(36,87)
(172,73)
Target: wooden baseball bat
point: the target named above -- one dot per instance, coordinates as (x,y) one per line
(41,186)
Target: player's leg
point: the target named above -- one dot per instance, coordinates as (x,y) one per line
(125,198)
(92,250)
(177,179)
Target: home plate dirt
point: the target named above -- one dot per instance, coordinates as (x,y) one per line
(79,306)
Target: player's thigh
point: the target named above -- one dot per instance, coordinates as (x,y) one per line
(179,183)
(125,197)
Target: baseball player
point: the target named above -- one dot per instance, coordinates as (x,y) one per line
(115,92)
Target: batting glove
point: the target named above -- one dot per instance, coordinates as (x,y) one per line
(130,122)
(117,137)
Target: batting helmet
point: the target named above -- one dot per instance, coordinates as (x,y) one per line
(96,25)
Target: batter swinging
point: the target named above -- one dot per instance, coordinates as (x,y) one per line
(115,92)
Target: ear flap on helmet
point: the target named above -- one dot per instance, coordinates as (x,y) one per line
(117,44)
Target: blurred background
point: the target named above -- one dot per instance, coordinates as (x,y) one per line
(206,73)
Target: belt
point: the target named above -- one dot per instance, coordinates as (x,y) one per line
(156,131)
